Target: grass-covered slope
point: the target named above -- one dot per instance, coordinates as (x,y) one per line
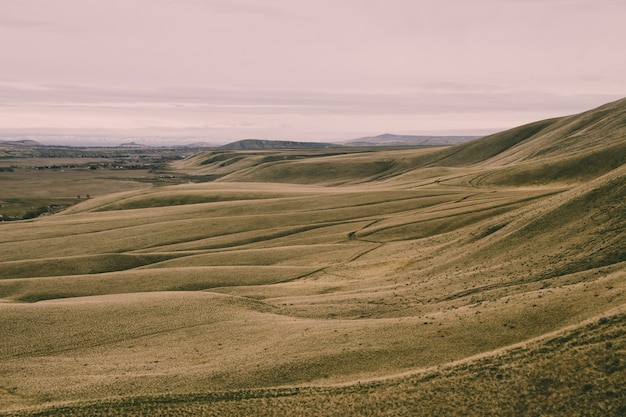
(566,136)
(577,372)
(352,283)
(570,149)
(564,150)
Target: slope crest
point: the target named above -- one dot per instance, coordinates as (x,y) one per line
(553,138)
(488,147)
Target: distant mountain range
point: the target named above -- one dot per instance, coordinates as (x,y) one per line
(388,139)
(25,142)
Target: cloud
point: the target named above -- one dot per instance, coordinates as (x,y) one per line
(237,7)
(422,99)
(29,24)
(13,22)
(230,114)
(310,65)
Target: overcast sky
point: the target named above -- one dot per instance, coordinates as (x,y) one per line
(304,70)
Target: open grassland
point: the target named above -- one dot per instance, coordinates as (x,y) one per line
(453,281)
(576,372)
(26,189)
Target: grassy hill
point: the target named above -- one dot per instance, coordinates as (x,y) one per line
(567,150)
(255,144)
(484,278)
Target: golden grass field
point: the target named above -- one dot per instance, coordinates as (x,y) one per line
(487,278)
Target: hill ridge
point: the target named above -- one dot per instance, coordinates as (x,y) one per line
(258,144)
(550,137)
(562,150)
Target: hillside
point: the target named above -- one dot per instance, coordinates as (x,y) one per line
(334,282)
(564,151)
(572,149)
(21,142)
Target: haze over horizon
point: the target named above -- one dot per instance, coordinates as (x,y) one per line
(314,71)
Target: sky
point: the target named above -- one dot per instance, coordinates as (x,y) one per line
(322,70)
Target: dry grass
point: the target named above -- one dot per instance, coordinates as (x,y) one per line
(584,365)
(419,273)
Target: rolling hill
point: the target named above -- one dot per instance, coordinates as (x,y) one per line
(566,150)
(485,278)
(256,144)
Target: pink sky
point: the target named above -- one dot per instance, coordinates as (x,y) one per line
(304,70)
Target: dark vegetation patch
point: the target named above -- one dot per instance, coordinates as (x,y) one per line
(12,209)
(294,157)
(322,171)
(224,159)
(169,178)
(218,157)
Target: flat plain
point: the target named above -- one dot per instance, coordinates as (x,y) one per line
(486,278)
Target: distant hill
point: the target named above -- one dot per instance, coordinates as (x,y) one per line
(196,145)
(255,144)
(19,148)
(388,139)
(24,142)
(565,150)
(133,145)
